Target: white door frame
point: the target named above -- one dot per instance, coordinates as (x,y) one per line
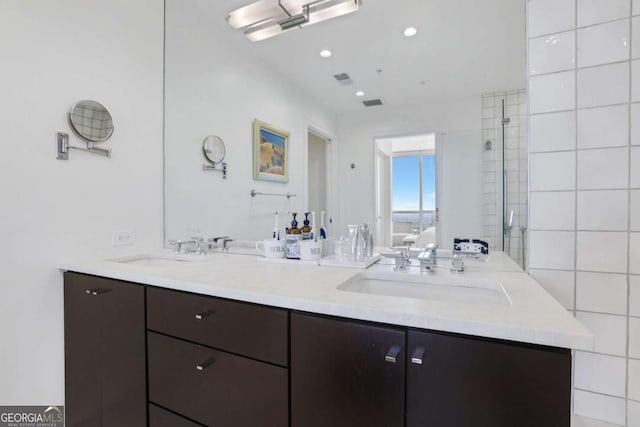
(332,196)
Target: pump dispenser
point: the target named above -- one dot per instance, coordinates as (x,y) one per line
(294,235)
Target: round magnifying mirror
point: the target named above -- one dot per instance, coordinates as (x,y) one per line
(213,148)
(90,121)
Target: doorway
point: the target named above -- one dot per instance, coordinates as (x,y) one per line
(406,209)
(318,183)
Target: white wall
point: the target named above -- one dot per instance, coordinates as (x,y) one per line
(459,151)
(54,54)
(215,85)
(585,188)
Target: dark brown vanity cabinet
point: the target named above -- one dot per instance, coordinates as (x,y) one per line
(215,361)
(466,381)
(346,373)
(105,368)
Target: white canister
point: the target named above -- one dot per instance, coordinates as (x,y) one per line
(310,250)
(270,248)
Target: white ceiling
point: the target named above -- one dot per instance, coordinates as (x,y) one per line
(462,48)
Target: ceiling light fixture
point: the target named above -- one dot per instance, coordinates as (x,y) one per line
(410,32)
(359,93)
(267,18)
(325,53)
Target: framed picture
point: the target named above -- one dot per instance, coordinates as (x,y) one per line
(270,153)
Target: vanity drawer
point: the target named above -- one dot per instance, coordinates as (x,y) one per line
(215,388)
(246,329)
(159,417)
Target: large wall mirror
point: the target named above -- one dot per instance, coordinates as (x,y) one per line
(444,156)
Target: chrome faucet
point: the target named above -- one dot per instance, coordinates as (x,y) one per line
(212,243)
(429,258)
(401,259)
(183,246)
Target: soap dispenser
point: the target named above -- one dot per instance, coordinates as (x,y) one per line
(306,229)
(294,235)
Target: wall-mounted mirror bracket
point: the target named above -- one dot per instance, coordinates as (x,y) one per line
(62,141)
(214,167)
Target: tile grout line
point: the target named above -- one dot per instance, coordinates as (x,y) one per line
(630,99)
(575,182)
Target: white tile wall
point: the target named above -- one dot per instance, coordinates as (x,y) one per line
(550,16)
(556,131)
(635,167)
(597,86)
(634,337)
(635,124)
(552,53)
(600,373)
(635,81)
(552,171)
(603,169)
(596,11)
(603,127)
(602,210)
(552,249)
(599,406)
(633,416)
(607,180)
(634,379)
(635,210)
(601,292)
(635,37)
(552,210)
(602,251)
(634,253)
(634,296)
(609,332)
(604,43)
(560,284)
(553,92)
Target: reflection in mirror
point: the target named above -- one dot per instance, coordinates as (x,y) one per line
(459,78)
(90,121)
(213,148)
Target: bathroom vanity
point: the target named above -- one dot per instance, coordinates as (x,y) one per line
(230,340)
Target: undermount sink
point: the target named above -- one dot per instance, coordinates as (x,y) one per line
(156,260)
(430,287)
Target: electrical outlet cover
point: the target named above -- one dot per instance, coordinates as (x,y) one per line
(123,237)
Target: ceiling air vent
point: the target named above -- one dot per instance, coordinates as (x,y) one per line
(372,102)
(343,79)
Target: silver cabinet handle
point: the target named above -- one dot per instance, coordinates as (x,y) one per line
(97,291)
(204,314)
(202,366)
(392,354)
(418,355)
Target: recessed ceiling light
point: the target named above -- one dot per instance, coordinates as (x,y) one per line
(359,93)
(325,53)
(410,32)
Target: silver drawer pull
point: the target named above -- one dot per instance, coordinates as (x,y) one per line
(97,291)
(418,355)
(202,366)
(392,354)
(204,314)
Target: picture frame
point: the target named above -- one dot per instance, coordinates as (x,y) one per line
(270,152)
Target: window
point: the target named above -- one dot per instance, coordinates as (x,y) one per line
(414,191)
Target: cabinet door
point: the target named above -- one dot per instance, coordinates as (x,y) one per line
(83,405)
(464,381)
(105,367)
(339,375)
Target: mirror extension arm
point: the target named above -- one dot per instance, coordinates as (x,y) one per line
(62,141)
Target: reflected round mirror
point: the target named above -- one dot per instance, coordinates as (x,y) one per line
(90,121)
(213,148)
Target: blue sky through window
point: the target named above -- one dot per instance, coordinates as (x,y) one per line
(406,183)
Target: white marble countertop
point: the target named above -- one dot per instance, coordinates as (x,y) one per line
(532,317)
